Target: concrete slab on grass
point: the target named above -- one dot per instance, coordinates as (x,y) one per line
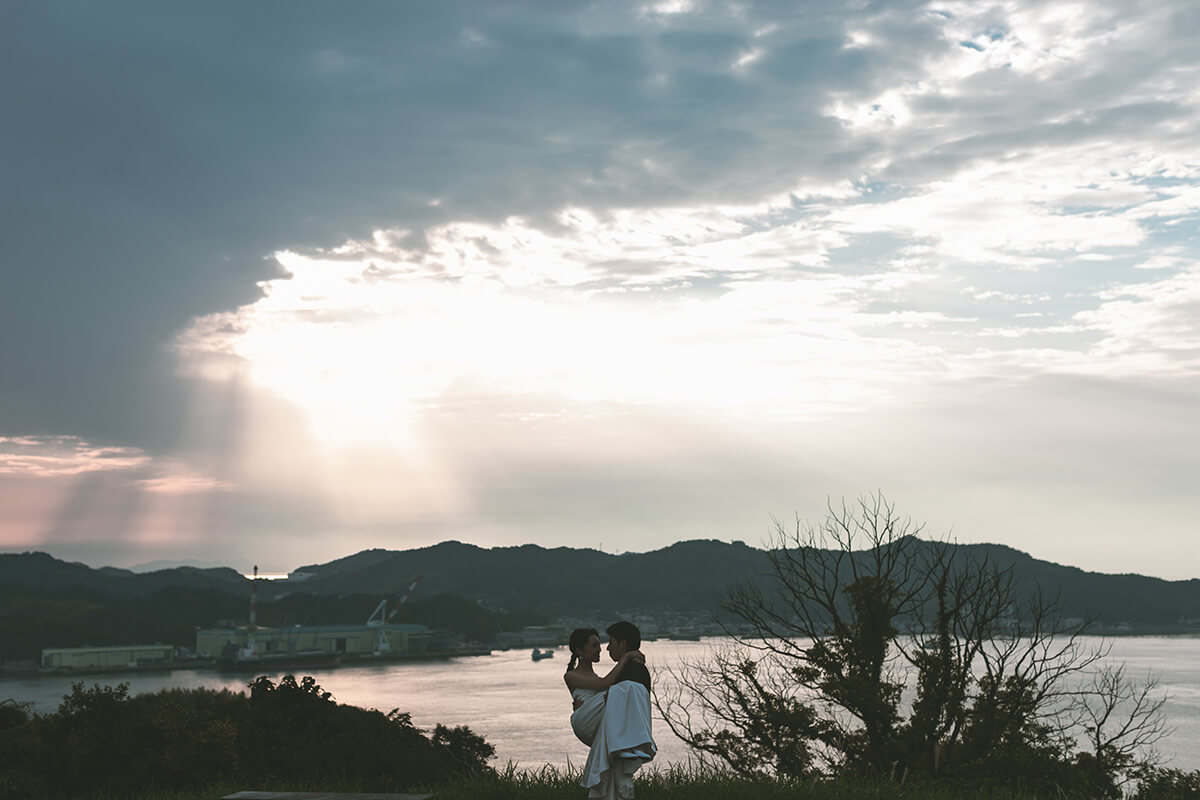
(322,796)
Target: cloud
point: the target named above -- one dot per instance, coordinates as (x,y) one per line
(232,231)
(65,492)
(72,457)
(1152,326)
(63,455)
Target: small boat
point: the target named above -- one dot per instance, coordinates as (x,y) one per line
(684,635)
(538,655)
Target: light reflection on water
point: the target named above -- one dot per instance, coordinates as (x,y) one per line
(522,707)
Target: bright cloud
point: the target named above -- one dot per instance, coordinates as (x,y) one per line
(1153,327)
(70,457)
(753,307)
(57,456)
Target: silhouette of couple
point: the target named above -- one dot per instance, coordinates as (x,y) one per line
(611,713)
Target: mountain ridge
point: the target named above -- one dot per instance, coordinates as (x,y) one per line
(687,576)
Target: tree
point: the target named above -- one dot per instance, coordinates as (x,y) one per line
(853,612)
(1122,721)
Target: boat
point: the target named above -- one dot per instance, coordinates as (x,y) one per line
(245,660)
(684,635)
(538,655)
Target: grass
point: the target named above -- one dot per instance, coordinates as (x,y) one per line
(667,783)
(691,783)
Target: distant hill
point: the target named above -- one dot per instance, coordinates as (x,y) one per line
(243,567)
(47,602)
(44,571)
(692,576)
(686,576)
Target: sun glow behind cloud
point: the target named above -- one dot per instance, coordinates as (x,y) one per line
(750,310)
(365,356)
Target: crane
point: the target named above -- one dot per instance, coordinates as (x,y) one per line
(377,619)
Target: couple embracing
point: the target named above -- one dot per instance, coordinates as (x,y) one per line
(612,713)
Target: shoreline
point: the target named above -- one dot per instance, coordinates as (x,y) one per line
(214,665)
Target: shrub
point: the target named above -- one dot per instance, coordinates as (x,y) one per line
(102,741)
(1168,784)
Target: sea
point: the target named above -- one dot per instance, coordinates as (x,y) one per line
(523,708)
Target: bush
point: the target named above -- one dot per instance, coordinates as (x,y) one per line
(101,741)
(1168,784)
(13,714)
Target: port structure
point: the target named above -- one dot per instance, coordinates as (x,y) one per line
(251,648)
(378,620)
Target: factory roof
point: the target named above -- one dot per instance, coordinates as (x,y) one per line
(403,627)
(116,648)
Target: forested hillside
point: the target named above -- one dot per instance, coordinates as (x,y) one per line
(45,602)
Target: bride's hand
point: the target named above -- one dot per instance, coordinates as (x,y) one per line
(635,655)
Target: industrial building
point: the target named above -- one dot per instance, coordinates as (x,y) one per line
(144,656)
(533,636)
(401,639)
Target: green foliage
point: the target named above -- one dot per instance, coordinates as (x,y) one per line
(102,741)
(847,667)
(756,723)
(776,728)
(464,747)
(1157,783)
(13,713)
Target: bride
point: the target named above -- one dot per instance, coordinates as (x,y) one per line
(611,718)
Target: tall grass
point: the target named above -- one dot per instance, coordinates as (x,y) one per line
(666,783)
(699,783)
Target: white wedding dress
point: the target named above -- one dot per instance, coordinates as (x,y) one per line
(617,729)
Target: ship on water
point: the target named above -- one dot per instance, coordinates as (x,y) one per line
(247,659)
(258,648)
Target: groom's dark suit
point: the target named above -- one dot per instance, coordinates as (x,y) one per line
(636,672)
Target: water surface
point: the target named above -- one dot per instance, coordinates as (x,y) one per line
(522,707)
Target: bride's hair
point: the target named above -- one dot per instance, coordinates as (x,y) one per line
(579,638)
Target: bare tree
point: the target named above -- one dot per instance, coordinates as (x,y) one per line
(845,613)
(834,593)
(820,626)
(1122,721)
(743,712)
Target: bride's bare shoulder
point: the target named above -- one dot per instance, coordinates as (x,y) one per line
(575,679)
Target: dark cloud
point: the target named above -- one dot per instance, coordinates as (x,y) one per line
(155,154)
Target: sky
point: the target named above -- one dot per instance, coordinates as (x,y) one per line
(284,281)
